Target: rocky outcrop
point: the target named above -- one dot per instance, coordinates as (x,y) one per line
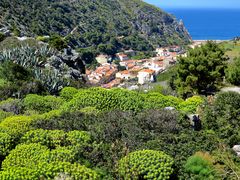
(236,149)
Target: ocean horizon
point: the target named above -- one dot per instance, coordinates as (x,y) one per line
(209,24)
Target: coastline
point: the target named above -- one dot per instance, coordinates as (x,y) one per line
(216,40)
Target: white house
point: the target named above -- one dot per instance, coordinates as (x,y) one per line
(157,66)
(122,57)
(145,76)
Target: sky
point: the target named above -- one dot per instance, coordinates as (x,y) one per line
(196,3)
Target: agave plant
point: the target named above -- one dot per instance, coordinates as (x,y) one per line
(45,65)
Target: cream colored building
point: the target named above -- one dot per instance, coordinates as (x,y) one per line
(146,76)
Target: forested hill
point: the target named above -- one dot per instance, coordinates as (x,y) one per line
(94,22)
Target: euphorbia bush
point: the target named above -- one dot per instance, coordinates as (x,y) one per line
(42,104)
(68,93)
(146,164)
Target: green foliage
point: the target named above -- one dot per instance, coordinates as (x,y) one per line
(56,138)
(200,166)
(62,154)
(90,110)
(26,155)
(16,126)
(13,72)
(157,100)
(233,72)
(86,23)
(57,42)
(51,139)
(68,93)
(37,60)
(6,144)
(78,137)
(18,81)
(105,100)
(41,104)
(146,164)
(202,70)
(223,117)
(50,171)
(42,38)
(2,37)
(182,145)
(190,104)
(4,115)
(34,161)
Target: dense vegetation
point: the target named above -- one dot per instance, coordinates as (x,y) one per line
(51,131)
(233,72)
(99,24)
(202,70)
(107,134)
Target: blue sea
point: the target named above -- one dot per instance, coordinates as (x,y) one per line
(210,24)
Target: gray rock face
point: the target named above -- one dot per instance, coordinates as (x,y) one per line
(69,60)
(5,31)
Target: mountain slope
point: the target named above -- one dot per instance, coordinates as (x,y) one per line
(94,22)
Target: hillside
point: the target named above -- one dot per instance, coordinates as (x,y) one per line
(86,23)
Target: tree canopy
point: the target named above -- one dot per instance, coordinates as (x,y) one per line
(202,70)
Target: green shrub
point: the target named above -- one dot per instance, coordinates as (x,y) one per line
(105,100)
(49,138)
(157,100)
(26,155)
(62,154)
(90,110)
(191,104)
(57,42)
(16,126)
(146,164)
(67,121)
(68,93)
(34,161)
(42,38)
(223,117)
(78,137)
(41,103)
(200,166)
(53,170)
(4,115)
(6,144)
(233,72)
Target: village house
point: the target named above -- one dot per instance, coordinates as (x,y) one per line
(156,65)
(122,56)
(128,63)
(106,72)
(103,58)
(111,84)
(162,52)
(125,75)
(146,76)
